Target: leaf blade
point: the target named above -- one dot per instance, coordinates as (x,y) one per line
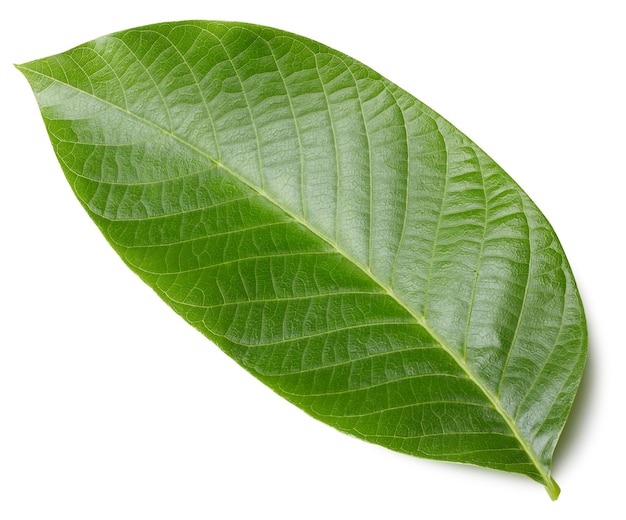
(349,220)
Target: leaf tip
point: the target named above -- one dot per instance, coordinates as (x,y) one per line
(553,489)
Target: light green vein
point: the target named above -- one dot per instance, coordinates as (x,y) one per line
(418,318)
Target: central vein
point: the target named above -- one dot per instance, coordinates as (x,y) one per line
(419,319)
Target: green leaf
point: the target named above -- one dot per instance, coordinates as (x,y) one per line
(336,237)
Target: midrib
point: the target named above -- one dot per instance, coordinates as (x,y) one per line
(551,486)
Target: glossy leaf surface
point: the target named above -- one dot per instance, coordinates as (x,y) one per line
(336,237)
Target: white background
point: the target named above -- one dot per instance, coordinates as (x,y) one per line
(111,407)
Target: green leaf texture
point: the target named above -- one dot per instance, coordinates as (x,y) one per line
(336,237)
